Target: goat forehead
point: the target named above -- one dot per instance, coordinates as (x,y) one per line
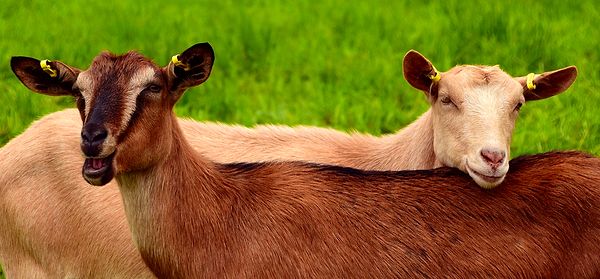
(487,99)
(473,76)
(480,82)
(109,68)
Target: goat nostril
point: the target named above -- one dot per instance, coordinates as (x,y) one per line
(84,136)
(94,135)
(100,135)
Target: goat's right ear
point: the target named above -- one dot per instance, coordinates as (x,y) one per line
(47,77)
(547,84)
(418,71)
(190,68)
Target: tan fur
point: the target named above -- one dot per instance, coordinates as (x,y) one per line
(481,116)
(411,148)
(52,224)
(474,109)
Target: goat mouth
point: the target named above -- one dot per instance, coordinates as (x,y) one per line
(487,178)
(491,181)
(98,171)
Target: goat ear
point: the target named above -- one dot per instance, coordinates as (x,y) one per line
(548,84)
(418,71)
(190,68)
(56,79)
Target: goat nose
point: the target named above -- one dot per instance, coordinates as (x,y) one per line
(94,134)
(493,157)
(92,137)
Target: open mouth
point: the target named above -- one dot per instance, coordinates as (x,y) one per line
(98,171)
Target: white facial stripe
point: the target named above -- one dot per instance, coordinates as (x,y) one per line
(138,82)
(85,84)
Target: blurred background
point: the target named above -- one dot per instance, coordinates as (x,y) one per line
(333,63)
(329,62)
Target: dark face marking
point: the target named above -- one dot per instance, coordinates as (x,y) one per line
(116,87)
(112,92)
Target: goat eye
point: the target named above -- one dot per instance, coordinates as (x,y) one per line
(518,106)
(446,100)
(153,88)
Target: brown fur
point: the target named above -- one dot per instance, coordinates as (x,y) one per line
(192,219)
(55,164)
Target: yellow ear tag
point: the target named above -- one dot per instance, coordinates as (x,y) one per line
(530,84)
(436,76)
(178,63)
(46,67)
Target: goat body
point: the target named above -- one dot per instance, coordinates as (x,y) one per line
(192,218)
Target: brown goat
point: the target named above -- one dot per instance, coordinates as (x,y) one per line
(194,218)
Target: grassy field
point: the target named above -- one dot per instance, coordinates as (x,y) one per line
(330,63)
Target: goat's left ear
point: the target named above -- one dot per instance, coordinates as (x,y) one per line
(47,77)
(548,84)
(190,68)
(418,71)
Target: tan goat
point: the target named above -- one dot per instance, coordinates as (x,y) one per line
(194,218)
(469,126)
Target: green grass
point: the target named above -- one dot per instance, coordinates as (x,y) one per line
(329,62)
